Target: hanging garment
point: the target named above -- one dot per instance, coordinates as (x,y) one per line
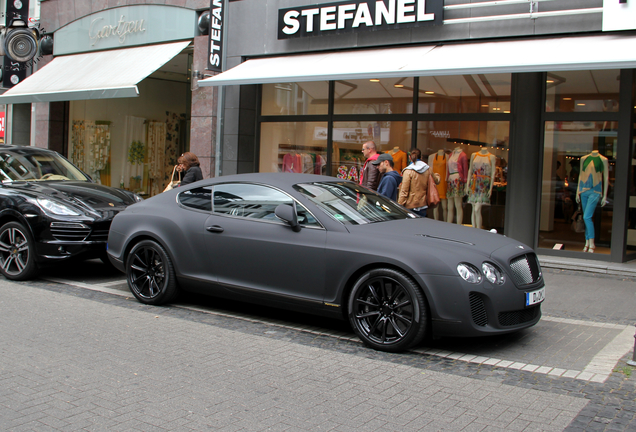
(480,179)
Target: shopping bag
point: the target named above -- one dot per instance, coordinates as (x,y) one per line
(578,225)
(173,183)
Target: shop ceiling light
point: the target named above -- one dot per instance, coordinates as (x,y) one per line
(429,92)
(398,85)
(374,80)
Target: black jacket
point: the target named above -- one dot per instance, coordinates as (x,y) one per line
(192,175)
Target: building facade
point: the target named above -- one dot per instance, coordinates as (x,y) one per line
(521,105)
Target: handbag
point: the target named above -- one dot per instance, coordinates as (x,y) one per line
(578,225)
(173,183)
(432,196)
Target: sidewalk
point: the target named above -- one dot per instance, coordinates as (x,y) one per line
(627,269)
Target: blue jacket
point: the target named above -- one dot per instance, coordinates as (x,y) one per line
(389,185)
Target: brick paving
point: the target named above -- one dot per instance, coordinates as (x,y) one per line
(74,359)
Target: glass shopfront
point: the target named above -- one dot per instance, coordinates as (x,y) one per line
(441,116)
(463,126)
(579,161)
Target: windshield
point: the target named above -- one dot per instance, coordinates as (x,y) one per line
(352,204)
(35,166)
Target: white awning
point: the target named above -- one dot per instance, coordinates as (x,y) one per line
(609,51)
(95,75)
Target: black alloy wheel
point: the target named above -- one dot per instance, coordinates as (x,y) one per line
(388,311)
(150,274)
(17,260)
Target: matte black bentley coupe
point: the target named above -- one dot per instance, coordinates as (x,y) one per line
(327,246)
(50,211)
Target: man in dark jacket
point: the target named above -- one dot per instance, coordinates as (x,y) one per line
(370,177)
(391,179)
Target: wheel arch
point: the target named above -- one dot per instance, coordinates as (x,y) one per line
(349,284)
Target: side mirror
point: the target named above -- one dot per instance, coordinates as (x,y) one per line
(287,213)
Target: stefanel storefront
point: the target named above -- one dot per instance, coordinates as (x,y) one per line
(116,95)
(527,105)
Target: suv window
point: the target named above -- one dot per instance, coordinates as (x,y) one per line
(255,202)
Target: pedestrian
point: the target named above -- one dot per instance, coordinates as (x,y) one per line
(370,177)
(391,179)
(189,164)
(414,188)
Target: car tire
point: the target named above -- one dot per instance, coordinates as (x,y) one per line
(17,254)
(150,274)
(388,311)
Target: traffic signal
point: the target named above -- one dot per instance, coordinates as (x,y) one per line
(18,41)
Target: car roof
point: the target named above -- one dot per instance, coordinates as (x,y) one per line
(24,148)
(277,179)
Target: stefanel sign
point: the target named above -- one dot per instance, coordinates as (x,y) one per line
(215,39)
(357,15)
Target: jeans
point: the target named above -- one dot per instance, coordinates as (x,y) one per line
(589,201)
(421,212)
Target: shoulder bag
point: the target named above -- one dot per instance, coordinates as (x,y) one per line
(173,183)
(432,196)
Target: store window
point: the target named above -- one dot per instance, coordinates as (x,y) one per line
(131,143)
(483,93)
(374,96)
(472,159)
(583,91)
(348,137)
(304,98)
(579,158)
(631,217)
(299,147)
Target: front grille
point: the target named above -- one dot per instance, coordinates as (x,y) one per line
(525,269)
(507,319)
(69,231)
(478,309)
(78,232)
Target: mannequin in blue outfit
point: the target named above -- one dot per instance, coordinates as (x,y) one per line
(593,182)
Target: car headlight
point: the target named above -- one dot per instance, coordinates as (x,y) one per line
(492,273)
(56,208)
(469,273)
(137,198)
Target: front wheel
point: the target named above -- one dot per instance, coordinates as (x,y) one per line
(17,255)
(388,311)
(150,274)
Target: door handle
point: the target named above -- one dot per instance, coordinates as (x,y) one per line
(214,228)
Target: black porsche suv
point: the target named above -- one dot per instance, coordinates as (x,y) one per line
(50,211)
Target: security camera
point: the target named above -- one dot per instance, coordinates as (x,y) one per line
(20,44)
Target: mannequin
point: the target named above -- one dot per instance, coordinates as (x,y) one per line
(438,161)
(593,181)
(456,175)
(481,174)
(400,159)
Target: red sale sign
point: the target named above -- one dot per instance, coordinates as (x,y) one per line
(2,125)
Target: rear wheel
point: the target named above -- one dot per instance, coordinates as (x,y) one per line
(17,255)
(150,274)
(388,311)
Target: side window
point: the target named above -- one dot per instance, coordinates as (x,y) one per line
(199,198)
(255,202)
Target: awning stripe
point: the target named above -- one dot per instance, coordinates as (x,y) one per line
(95,75)
(612,51)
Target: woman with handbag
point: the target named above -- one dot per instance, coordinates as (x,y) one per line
(414,189)
(189,164)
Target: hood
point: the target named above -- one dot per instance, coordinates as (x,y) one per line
(86,195)
(398,177)
(419,166)
(438,246)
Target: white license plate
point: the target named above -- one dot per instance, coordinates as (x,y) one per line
(535,297)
